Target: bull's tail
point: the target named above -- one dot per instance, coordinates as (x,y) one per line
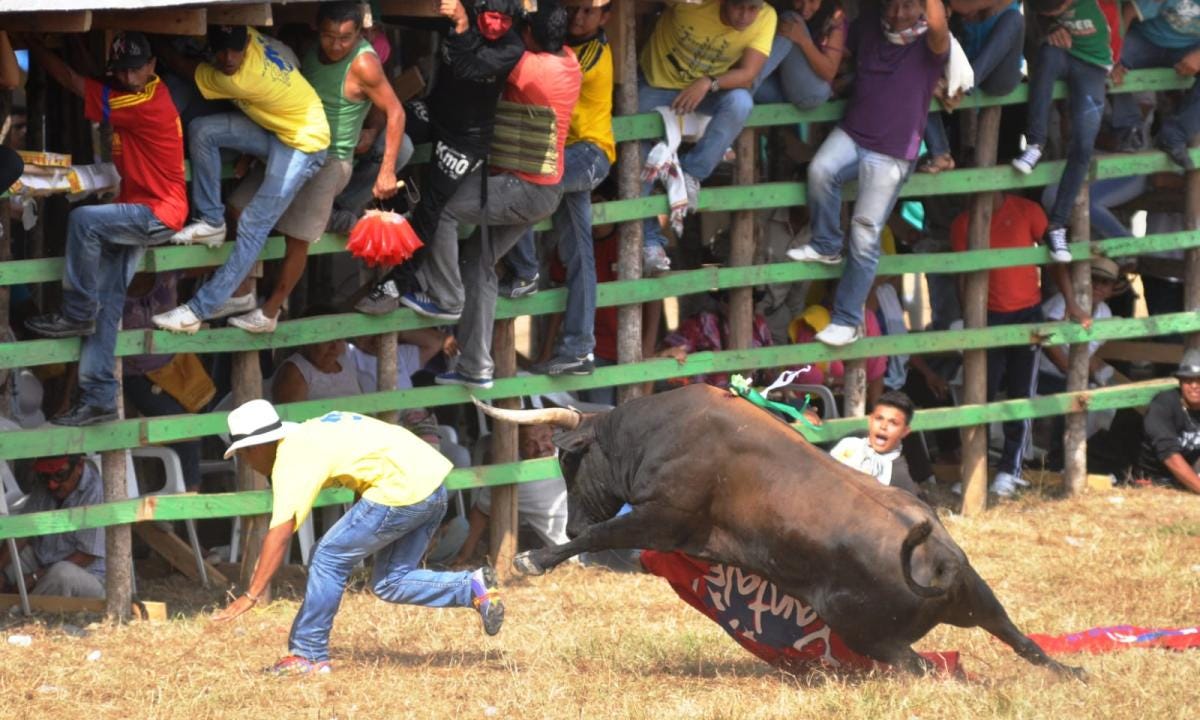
(917,535)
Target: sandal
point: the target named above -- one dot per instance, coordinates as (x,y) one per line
(934,164)
(294,665)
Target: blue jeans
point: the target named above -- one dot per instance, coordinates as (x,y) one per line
(398,537)
(1102,195)
(728,110)
(838,161)
(1016,370)
(104,246)
(787,77)
(286,172)
(1138,53)
(586,167)
(997,71)
(1085,83)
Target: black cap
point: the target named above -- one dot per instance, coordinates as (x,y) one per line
(129,51)
(1189,366)
(226,37)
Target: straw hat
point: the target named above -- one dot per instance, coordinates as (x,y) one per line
(255,423)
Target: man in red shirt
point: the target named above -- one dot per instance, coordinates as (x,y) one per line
(105,242)
(546,76)
(1014,297)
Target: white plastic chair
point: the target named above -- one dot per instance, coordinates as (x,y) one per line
(174,484)
(12,543)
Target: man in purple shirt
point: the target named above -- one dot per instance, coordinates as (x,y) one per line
(898,58)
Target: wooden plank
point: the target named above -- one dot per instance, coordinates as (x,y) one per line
(140,610)
(166,21)
(299,13)
(172,507)
(1139,351)
(741,250)
(629,186)
(1078,355)
(503,520)
(177,553)
(132,433)
(256,14)
(408,8)
(76,21)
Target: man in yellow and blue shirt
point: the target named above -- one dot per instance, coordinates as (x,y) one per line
(400,480)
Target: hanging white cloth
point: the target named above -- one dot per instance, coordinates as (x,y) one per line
(662,163)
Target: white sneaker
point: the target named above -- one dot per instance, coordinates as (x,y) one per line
(807,253)
(179,320)
(1005,485)
(838,335)
(236,305)
(1056,241)
(255,321)
(1028,160)
(200,232)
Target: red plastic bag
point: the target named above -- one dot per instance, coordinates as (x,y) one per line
(383,238)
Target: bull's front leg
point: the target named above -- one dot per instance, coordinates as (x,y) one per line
(635,530)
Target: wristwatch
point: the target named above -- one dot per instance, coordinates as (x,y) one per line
(713,85)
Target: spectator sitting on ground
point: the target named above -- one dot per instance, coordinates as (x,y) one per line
(1076,49)
(281,122)
(1171,443)
(105,242)
(702,58)
(992,34)
(805,56)
(318,371)
(878,454)
(67,564)
(480,46)
(1053,365)
(347,76)
(708,331)
(541,504)
(898,57)
(1167,35)
(1014,297)
(547,76)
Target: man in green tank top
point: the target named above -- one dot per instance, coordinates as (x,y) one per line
(349,79)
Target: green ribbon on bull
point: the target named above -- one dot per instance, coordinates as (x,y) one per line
(741,387)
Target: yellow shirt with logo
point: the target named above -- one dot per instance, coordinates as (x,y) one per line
(690,42)
(269,88)
(591,120)
(384,463)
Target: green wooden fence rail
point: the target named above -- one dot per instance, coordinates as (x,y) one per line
(153,431)
(191,506)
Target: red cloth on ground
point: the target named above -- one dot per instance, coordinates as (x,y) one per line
(1118,637)
(1017,223)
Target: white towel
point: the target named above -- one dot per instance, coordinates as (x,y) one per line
(662,163)
(960,76)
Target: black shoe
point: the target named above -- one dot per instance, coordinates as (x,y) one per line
(1178,154)
(566,365)
(57,325)
(383,298)
(82,414)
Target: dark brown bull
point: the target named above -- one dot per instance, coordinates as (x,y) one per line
(713,476)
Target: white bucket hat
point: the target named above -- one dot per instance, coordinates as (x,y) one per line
(255,423)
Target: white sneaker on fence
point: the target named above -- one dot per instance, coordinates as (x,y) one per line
(807,253)
(200,232)
(236,305)
(838,335)
(179,320)
(1028,160)
(255,321)
(1056,242)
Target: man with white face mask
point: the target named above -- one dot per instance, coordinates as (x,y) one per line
(898,57)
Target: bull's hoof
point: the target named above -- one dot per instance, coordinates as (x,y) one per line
(1070,671)
(524,564)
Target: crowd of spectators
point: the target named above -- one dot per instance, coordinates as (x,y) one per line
(319,131)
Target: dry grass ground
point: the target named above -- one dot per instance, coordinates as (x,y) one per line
(591,644)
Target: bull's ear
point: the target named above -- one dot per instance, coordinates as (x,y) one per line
(576,440)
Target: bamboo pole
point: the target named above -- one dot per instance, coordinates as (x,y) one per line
(1075,433)
(854,393)
(974,438)
(629,264)
(386,367)
(503,526)
(118,541)
(1191,283)
(247,386)
(741,250)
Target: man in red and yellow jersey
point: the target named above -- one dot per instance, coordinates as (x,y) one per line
(106,242)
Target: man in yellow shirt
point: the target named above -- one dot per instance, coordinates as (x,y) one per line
(703,58)
(282,121)
(400,480)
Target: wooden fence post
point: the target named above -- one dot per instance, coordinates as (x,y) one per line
(1075,434)
(975,437)
(118,541)
(1191,273)
(386,367)
(247,386)
(741,245)
(629,185)
(503,526)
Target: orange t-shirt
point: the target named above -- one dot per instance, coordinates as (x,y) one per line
(551,81)
(1017,223)
(147,146)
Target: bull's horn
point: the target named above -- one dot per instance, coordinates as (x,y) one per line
(559,417)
